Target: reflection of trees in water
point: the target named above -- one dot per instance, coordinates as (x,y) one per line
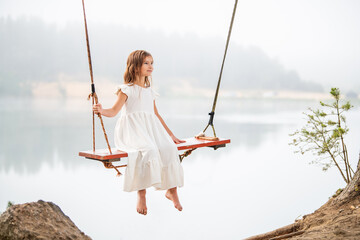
(31,137)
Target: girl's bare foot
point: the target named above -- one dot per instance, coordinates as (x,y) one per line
(172,195)
(141,202)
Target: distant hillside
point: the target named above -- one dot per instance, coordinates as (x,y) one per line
(33,51)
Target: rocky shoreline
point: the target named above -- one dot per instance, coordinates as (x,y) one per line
(339,218)
(38,220)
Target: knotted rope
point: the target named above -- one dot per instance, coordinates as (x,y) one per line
(186,153)
(110,165)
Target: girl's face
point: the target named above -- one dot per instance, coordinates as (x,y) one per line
(147,67)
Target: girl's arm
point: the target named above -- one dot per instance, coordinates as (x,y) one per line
(111,112)
(175,139)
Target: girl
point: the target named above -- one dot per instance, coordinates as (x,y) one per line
(152,153)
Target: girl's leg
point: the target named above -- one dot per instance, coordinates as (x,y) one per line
(141,202)
(172,195)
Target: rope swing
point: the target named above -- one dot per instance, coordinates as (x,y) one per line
(212,113)
(94,97)
(191,144)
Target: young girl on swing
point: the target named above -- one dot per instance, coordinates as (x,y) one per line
(153,158)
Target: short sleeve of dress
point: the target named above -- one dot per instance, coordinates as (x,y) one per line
(124,88)
(154,94)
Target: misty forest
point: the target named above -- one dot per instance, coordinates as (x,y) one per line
(33,51)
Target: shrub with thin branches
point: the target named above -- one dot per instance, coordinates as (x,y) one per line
(324,133)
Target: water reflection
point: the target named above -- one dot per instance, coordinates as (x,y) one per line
(35,131)
(243,185)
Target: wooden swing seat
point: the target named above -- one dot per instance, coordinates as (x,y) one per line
(103,155)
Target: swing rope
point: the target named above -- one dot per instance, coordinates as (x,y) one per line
(212,113)
(94,97)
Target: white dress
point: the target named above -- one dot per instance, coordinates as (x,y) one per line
(153,158)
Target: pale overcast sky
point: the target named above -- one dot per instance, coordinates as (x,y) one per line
(320,39)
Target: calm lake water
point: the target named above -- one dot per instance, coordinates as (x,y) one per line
(254,185)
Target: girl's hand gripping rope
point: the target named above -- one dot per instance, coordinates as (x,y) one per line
(97,108)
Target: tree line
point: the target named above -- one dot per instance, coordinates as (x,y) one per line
(35,51)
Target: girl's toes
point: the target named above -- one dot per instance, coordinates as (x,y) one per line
(179,207)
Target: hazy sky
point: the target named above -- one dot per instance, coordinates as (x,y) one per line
(320,39)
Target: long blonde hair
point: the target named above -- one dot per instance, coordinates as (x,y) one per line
(133,66)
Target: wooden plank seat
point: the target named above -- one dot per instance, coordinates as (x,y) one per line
(103,155)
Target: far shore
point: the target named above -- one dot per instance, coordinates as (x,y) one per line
(107,89)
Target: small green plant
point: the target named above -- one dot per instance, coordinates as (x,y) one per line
(323,135)
(9,204)
(337,193)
